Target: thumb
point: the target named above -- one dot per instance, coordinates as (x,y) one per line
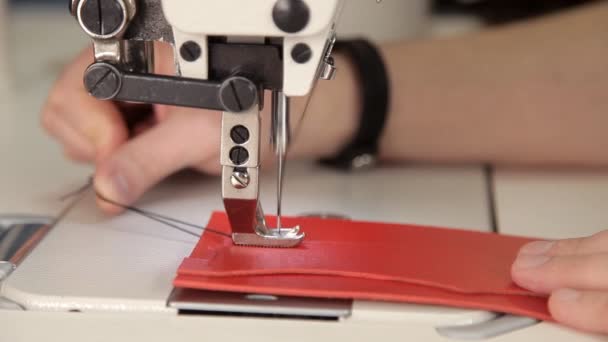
(184,139)
(583,310)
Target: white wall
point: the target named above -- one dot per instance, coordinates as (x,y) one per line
(386,20)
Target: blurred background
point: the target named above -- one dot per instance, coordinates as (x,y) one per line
(39,37)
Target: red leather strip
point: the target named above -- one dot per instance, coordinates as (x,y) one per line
(371,261)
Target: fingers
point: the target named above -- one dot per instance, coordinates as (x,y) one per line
(584,310)
(76,146)
(574,272)
(185,138)
(546,273)
(164,61)
(597,243)
(544,266)
(70,111)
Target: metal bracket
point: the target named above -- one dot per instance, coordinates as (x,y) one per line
(18,236)
(240,161)
(6,268)
(240,304)
(499,326)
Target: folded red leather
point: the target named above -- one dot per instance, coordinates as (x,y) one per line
(368,261)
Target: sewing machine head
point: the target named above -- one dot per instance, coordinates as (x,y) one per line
(227,53)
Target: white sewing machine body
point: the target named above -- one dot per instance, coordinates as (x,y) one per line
(195,20)
(227,55)
(98,278)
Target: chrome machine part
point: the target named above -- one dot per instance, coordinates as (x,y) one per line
(280,141)
(105,21)
(19,234)
(264,237)
(327,68)
(6,268)
(239,304)
(500,325)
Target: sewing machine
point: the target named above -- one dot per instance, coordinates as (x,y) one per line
(224,65)
(96,279)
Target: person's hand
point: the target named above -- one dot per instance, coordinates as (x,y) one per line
(574,273)
(129,162)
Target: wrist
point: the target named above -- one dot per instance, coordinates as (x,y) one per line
(362,150)
(331,118)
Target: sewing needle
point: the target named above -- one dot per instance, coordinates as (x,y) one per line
(280,129)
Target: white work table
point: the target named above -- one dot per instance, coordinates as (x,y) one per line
(80,264)
(552,204)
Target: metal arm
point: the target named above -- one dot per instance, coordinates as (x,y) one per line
(107,82)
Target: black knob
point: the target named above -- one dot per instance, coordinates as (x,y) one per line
(239,134)
(238,94)
(102,80)
(301,53)
(190,51)
(239,155)
(102,17)
(291,16)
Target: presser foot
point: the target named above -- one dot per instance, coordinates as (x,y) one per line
(249,227)
(265,237)
(286,238)
(274,238)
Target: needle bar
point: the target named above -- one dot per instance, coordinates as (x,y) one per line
(280,129)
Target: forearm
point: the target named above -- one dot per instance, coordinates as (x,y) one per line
(331,117)
(530,93)
(535,92)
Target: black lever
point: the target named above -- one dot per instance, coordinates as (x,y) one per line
(106,82)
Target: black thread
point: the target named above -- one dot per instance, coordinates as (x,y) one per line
(162,219)
(491,195)
(78,191)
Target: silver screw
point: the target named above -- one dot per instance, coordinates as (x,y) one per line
(240,179)
(363,162)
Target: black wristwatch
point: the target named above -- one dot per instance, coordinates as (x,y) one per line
(362,151)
